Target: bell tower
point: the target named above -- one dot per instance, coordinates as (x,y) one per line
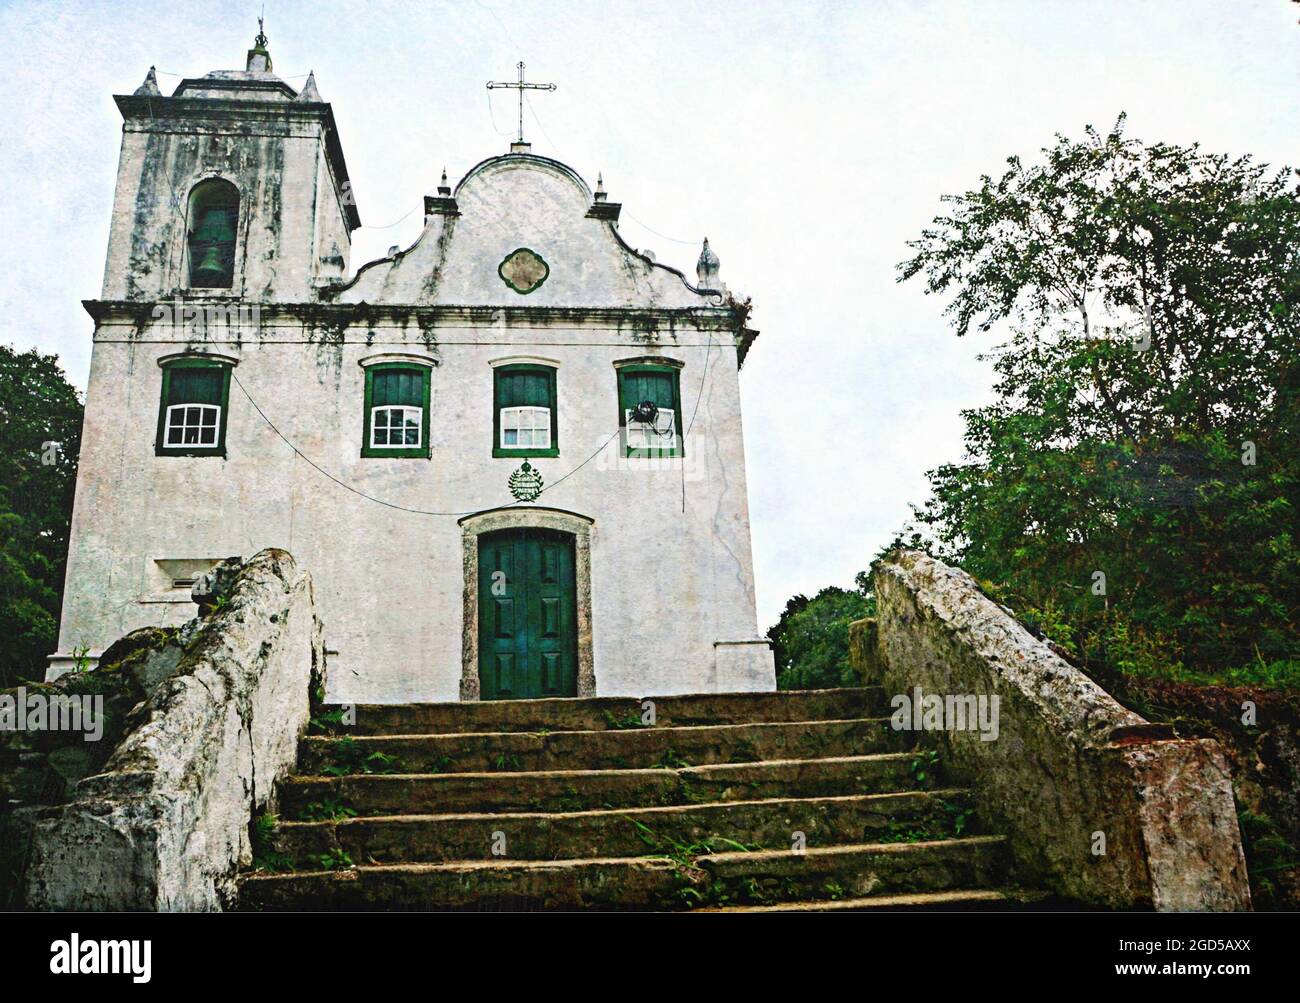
(233,186)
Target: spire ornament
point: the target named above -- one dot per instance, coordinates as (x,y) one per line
(259,56)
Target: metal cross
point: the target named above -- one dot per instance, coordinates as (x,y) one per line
(520,87)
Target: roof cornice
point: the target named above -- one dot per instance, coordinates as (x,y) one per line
(141,313)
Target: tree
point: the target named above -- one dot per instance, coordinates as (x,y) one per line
(810,642)
(1134,486)
(40,437)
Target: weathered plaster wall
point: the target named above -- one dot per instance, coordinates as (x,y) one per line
(666,583)
(165,826)
(1068,762)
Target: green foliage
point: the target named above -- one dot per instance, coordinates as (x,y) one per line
(326,810)
(924,766)
(37,406)
(629,720)
(1154,298)
(811,640)
(1269,852)
(672,760)
(326,722)
(502,764)
(265,857)
(350,758)
(337,859)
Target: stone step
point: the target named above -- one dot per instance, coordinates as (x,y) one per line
(640,748)
(769,876)
(622,832)
(633,882)
(980,899)
(607,713)
(576,790)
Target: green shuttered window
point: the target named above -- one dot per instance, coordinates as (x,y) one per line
(524,411)
(396,411)
(658,385)
(192,413)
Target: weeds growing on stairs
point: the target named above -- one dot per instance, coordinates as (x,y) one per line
(265,857)
(351,758)
(337,859)
(629,720)
(325,722)
(942,819)
(925,768)
(683,857)
(326,810)
(671,760)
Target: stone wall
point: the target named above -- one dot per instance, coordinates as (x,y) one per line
(1100,806)
(165,826)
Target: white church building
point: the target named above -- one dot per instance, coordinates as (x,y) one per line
(510,455)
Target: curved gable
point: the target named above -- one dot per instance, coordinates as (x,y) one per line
(522,236)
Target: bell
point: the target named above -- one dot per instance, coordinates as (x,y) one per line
(215,228)
(211,272)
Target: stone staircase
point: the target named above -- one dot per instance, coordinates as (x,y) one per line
(744,802)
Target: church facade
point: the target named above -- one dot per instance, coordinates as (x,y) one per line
(510,455)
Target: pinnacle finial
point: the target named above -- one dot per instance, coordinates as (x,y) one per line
(601,194)
(706,269)
(150,86)
(444,189)
(309,91)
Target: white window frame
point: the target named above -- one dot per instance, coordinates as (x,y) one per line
(169,425)
(533,410)
(661,435)
(408,412)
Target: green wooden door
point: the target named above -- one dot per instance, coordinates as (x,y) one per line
(527,622)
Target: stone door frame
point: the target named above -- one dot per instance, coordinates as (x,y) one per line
(517,517)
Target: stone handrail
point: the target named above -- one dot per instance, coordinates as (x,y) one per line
(166,825)
(1099,805)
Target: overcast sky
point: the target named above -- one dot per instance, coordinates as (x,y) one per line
(808,141)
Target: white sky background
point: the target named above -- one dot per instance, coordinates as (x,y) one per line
(807,140)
